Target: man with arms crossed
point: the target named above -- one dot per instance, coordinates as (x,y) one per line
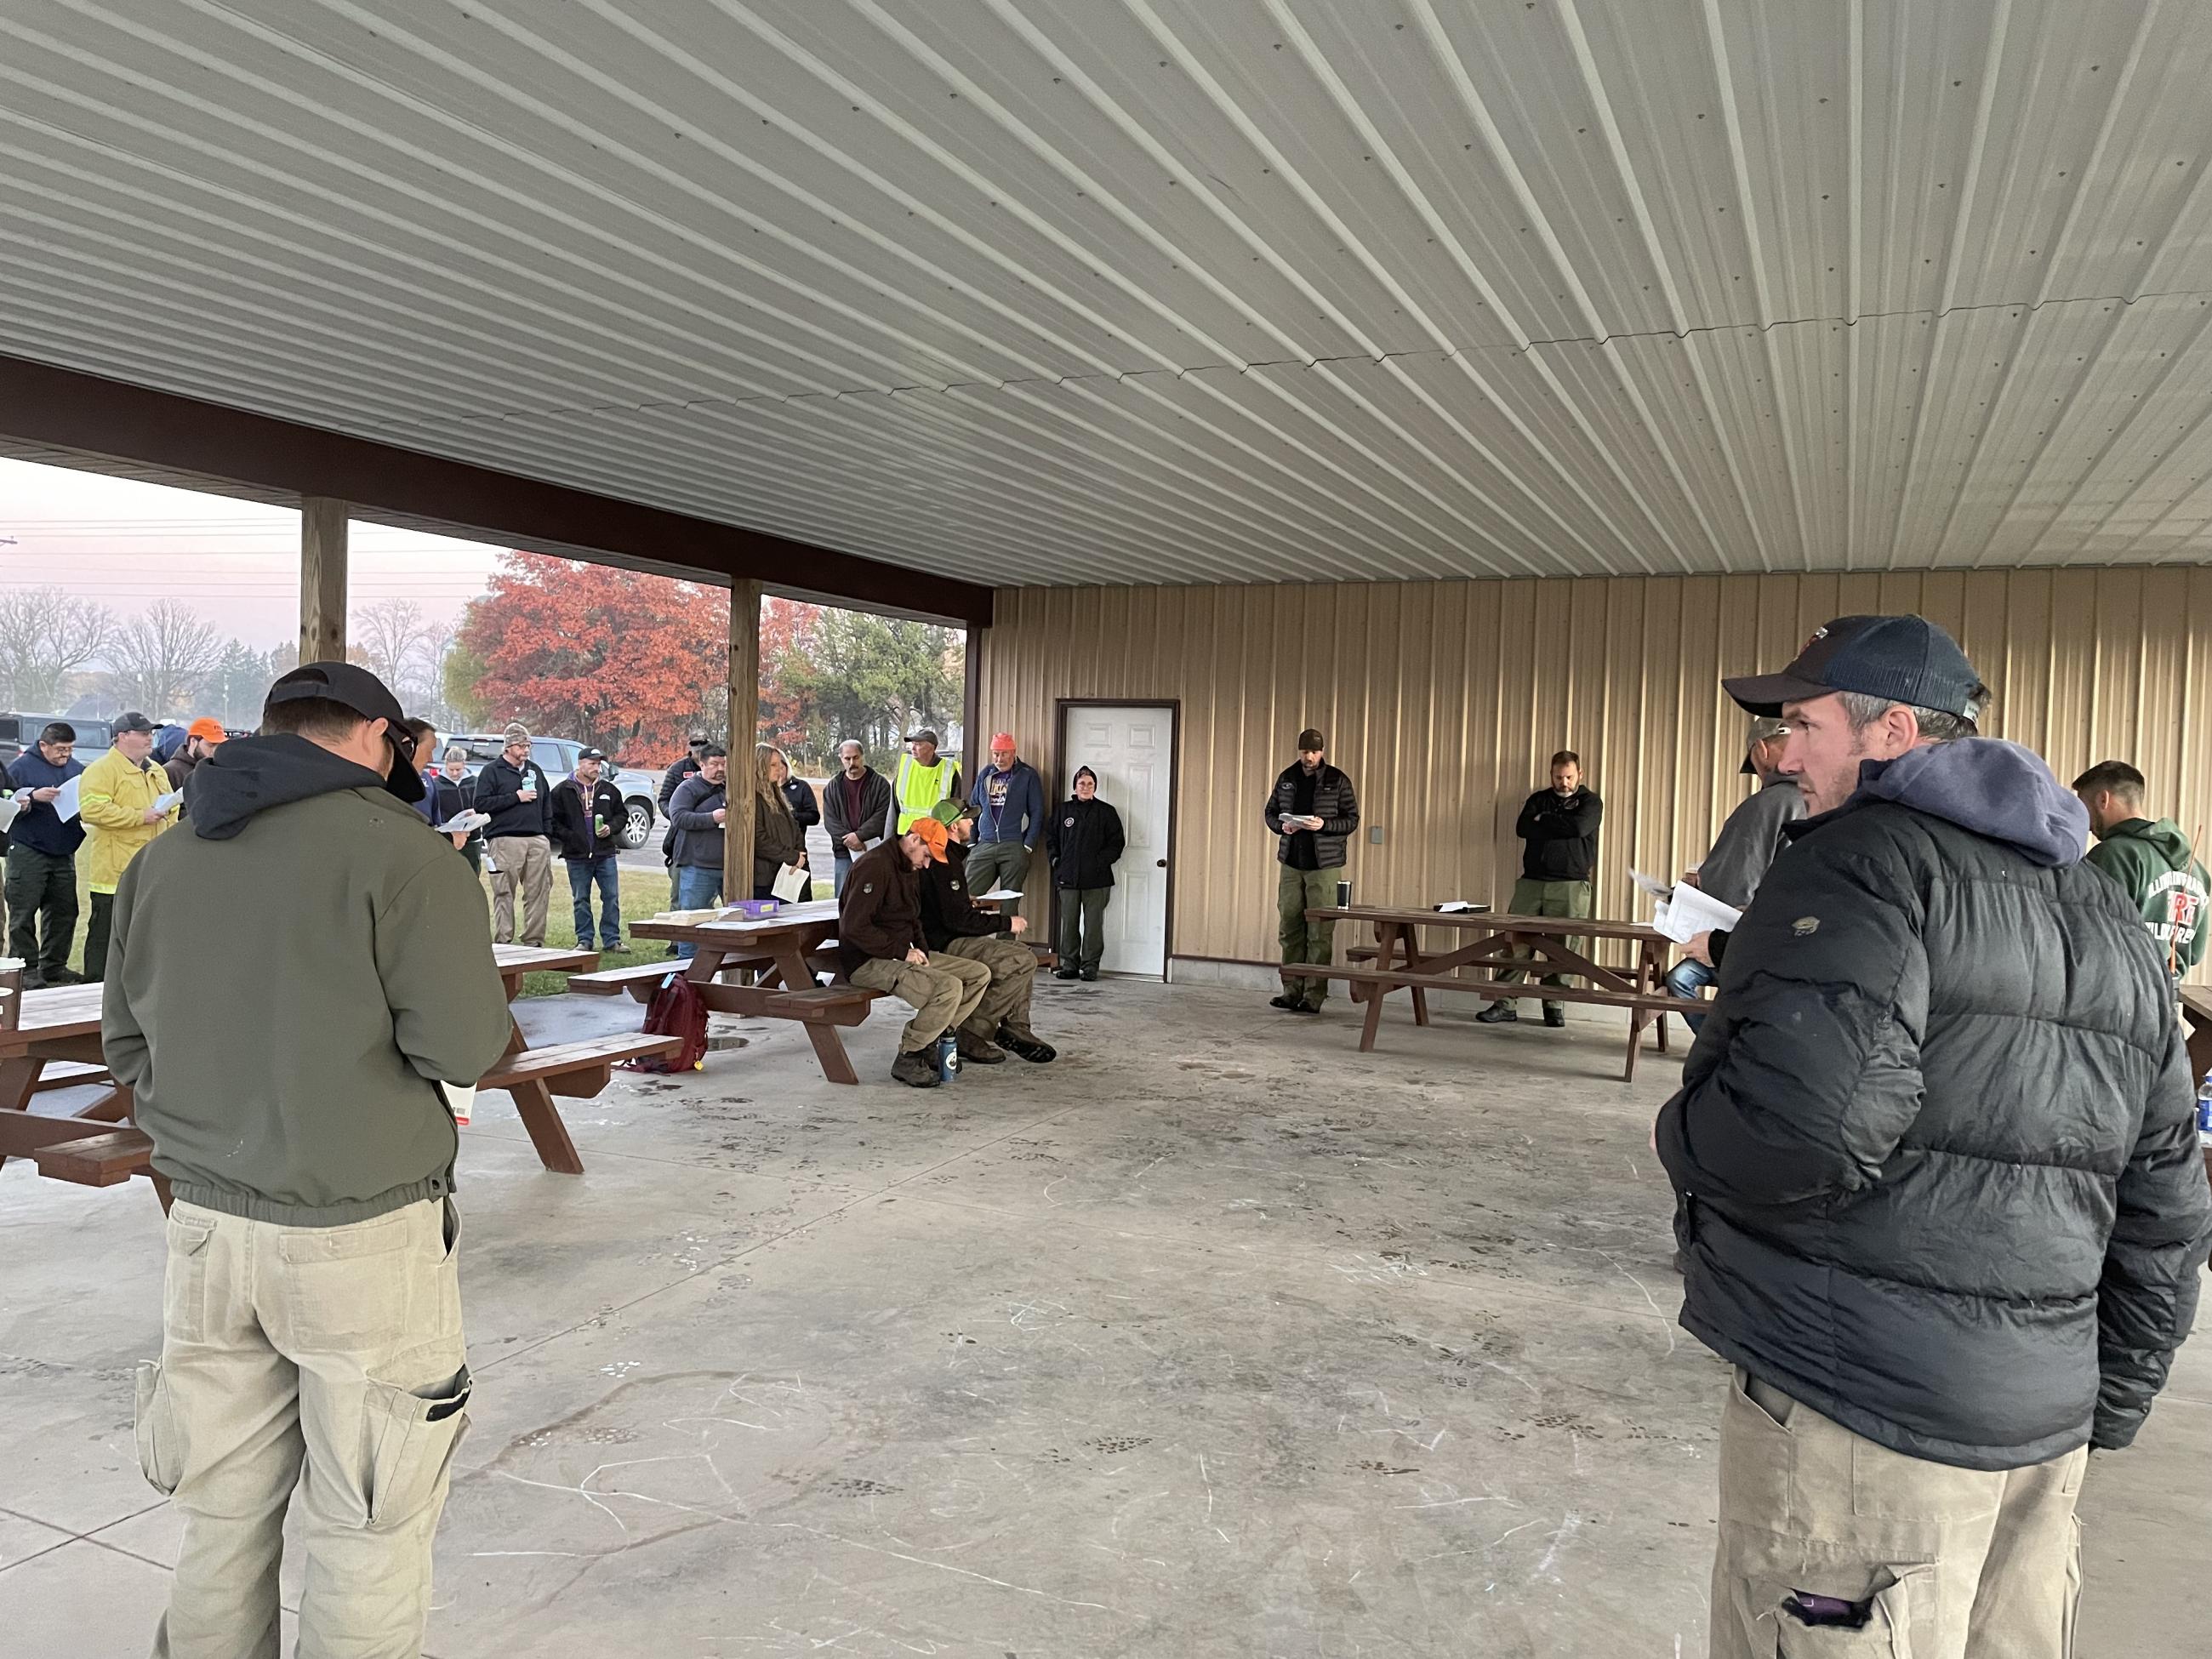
(1936,1173)
(311,1319)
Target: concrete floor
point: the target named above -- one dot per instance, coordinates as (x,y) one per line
(1215,1338)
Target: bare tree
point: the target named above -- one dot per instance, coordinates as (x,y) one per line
(390,637)
(45,637)
(158,659)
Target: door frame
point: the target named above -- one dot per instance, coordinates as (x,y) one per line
(1063,761)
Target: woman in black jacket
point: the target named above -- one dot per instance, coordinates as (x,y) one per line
(447,792)
(1082,841)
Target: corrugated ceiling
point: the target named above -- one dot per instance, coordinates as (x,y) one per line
(1174,290)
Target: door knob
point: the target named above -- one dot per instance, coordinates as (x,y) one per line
(1162,864)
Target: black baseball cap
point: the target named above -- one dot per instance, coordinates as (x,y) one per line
(133,722)
(351,686)
(591,754)
(1904,659)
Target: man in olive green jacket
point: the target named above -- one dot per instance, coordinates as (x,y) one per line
(290,1082)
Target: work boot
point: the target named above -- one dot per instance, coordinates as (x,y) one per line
(915,1067)
(62,976)
(1555,1015)
(1066,972)
(1089,973)
(1498,1013)
(1019,1040)
(978,1051)
(1287,1002)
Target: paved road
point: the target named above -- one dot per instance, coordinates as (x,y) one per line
(646,858)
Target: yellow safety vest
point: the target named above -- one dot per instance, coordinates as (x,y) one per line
(920,788)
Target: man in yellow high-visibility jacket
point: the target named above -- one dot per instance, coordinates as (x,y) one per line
(120,799)
(923,780)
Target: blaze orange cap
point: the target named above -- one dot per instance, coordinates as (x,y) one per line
(208,730)
(932,836)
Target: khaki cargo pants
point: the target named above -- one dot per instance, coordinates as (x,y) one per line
(324,1358)
(1959,1564)
(1013,977)
(944,994)
(524,865)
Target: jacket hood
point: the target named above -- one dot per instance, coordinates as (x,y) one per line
(248,775)
(2164,837)
(1991,787)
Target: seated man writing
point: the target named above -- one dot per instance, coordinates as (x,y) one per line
(952,924)
(879,936)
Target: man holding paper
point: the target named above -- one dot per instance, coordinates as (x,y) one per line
(1313,812)
(1747,845)
(125,801)
(42,857)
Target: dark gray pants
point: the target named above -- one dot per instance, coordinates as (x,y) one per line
(1083,925)
(42,909)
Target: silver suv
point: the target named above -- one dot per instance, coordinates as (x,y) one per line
(556,759)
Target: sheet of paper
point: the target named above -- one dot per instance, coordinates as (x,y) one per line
(462,823)
(65,800)
(1002,894)
(167,803)
(1652,884)
(1460,908)
(9,808)
(1693,911)
(791,884)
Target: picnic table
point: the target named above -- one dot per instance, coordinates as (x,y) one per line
(59,1032)
(1401,961)
(781,952)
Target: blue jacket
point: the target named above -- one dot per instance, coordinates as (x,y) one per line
(36,826)
(1010,804)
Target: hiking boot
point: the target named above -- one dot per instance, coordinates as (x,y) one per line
(1555,1015)
(917,1069)
(1498,1013)
(1287,1002)
(978,1051)
(1306,1007)
(1025,1044)
(1067,973)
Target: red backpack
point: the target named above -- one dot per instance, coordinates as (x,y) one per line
(675,1011)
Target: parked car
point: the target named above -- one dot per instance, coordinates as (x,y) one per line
(557,756)
(19,731)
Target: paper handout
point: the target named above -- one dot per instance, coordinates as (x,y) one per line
(65,798)
(1460,907)
(465,823)
(9,808)
(791,884)
(1000,895)
(1691,911)
(167,803)
(1652,884)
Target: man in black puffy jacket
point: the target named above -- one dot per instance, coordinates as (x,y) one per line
(1938,1192)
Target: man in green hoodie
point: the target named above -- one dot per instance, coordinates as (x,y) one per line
(311,1318)
(2152,862)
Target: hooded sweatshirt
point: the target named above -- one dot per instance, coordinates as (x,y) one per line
(2159,873)
(289,1076)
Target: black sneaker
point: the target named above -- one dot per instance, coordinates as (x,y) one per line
(1498,1013)
(62,976)
(1088,974)
(1555,1016)
(1289,1004)
(917,1070)
(1306,1007)
(1067,973)
(1026,1044)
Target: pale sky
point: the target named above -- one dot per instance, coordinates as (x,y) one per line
(237,562)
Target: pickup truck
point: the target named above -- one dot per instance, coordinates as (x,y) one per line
(557,758)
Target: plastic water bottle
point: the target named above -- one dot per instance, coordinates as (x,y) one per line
(2204,1115)
(948,1059)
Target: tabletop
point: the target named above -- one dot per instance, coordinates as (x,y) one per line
(60,1011)
(543,959)
(1497,921)
(814,914)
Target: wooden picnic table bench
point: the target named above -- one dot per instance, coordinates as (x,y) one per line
(785,952)
(96,1147)
(1401,961)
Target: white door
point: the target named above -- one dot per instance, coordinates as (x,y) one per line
(1132,751)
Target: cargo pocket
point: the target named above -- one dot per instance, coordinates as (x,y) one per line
(410,1436)
(160,1437)
(184,1279)
(1900,1622)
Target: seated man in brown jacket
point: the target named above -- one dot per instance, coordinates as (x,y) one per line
(879,936)
(952,923)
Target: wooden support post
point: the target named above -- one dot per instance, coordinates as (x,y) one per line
(744,725)
(322,579)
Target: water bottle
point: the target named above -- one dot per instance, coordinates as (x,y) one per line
(2204,1115)
(948,1059)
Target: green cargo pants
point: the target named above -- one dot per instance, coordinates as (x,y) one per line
(1548,898)
(1298,891)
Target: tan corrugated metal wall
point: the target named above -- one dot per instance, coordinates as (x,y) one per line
(1444,700)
